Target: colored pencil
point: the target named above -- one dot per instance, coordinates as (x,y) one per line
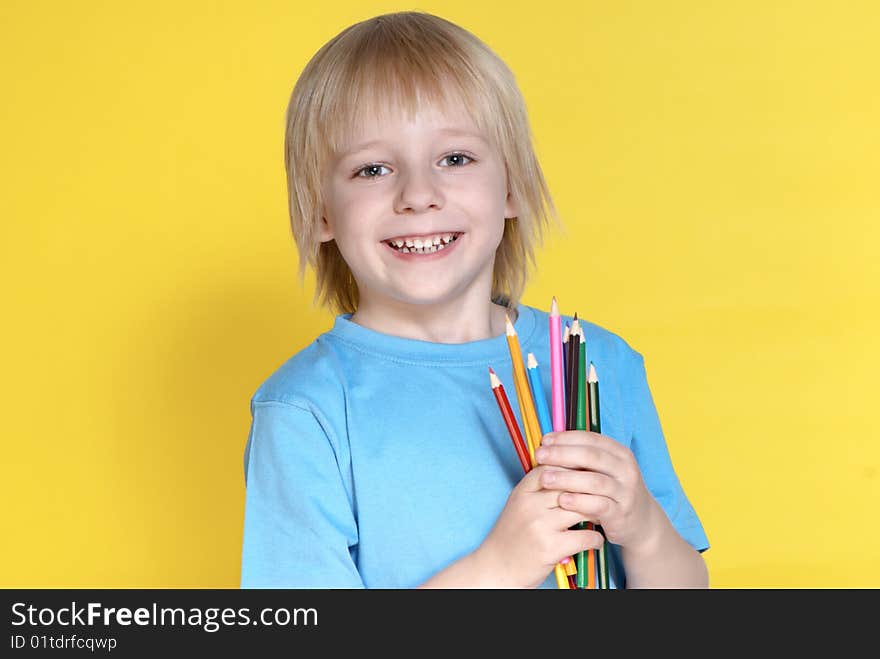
(596,426)
(582,392)
(510,421)
(556,384)
(538,395)
(530,443)
(578,424)
(523,392)
(603,560)
(566,365)
(586,560)
(530,421)
(573,351)
(566,368)
(568,354)
(570,568)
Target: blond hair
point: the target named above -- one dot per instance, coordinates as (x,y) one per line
(401,59)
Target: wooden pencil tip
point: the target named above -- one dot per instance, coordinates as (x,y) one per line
(490,370)
(554,308)
(511,331)
(494,380)
(532,362)
(575,316)
(593,377)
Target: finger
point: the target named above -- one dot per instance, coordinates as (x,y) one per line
(533,494)
(591,506)
(580,456)
(531,481)
(583,437)
(564,520)
(582,482)
(573,542)
(546,499)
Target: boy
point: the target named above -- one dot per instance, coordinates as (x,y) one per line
(377,456)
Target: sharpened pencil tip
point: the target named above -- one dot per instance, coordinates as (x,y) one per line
(593,377)
(490,370)
(532,362)
(509,326)
(494,380)
(554,308)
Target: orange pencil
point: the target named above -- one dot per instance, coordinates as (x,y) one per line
(523,392)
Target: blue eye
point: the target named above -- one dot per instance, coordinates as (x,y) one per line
(370,171)
(375,170)
(458,158)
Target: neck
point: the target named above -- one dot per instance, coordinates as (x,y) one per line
(439,323)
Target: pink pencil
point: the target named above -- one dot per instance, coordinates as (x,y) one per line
(557,385)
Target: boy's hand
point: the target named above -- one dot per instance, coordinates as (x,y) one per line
(530,537)
(599,479)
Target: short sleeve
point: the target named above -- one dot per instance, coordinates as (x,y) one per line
(299,525)
(650,450)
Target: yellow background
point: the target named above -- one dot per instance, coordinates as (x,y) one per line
(716,166)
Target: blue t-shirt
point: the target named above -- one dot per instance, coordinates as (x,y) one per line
(375,461)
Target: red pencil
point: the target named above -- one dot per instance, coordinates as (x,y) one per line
(510,421)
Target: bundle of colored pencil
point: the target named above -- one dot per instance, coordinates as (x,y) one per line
(571,402)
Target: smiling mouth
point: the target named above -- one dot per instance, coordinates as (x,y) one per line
(419,247)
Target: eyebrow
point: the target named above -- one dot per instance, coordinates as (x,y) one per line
(449,132)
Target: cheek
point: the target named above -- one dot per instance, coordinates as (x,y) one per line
(350,215)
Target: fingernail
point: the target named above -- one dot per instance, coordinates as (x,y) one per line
(540,453)
(566,560)
(548,439)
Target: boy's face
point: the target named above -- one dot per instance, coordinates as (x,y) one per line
(433,176)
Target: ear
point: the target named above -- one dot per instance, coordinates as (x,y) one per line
(511,208)
(325,232)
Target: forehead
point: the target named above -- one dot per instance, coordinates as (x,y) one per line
(383,118)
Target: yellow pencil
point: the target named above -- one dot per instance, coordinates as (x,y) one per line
(530,422)
(523,390)
(530,442)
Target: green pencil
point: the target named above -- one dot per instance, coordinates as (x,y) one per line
(596,426)
(583,563)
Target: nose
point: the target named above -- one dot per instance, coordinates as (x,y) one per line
(418,192)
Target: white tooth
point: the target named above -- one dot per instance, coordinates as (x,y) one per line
(439,247)
(406,250)
(447,238)
(418,242)
(409,243)
(398,242)
(436,240)
(431,249)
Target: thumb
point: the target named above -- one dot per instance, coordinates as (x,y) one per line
(579,540)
